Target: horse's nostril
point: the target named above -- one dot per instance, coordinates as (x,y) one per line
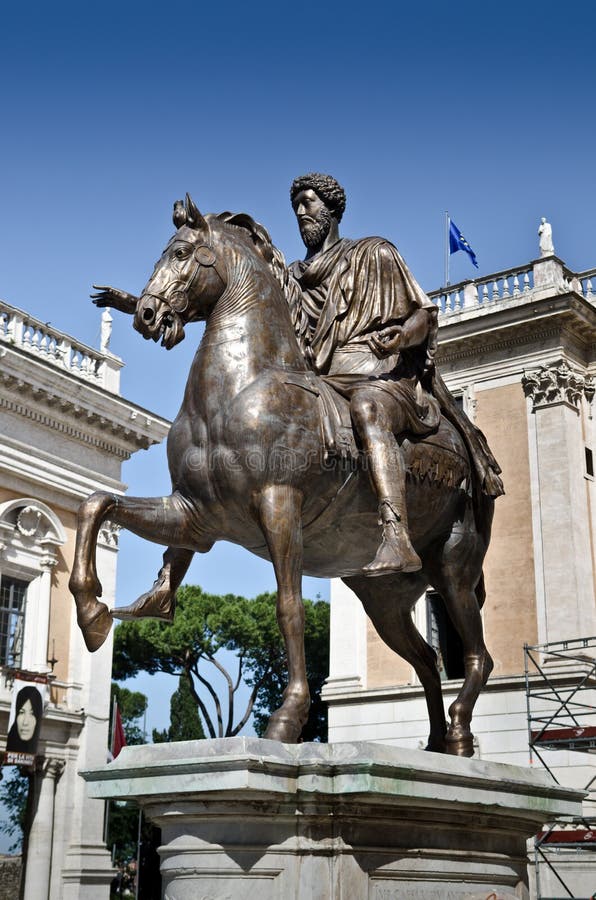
(148,315)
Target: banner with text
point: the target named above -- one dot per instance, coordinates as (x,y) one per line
(29,698)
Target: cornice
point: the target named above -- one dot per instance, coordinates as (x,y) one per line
(578,314)
(83,412)
(68,479)
(64,427)
(530,333)
(469,347)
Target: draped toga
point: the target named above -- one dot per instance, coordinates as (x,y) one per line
(344,294)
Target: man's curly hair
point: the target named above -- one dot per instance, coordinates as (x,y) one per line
(327,188)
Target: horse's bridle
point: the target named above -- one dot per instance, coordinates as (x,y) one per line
(176,292)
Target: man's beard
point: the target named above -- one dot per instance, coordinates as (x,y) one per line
(315,231)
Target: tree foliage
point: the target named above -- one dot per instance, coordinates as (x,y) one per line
(185,724)
(14,790)
(316,645)
(207,624)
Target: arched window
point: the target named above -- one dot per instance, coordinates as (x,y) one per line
(30,534)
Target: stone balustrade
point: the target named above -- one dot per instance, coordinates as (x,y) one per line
(482,292)
(510,286)
(47,343)
(587,280)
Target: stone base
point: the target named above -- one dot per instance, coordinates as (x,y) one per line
(87,873)
(251,818)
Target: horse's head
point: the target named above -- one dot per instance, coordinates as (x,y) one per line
(186,283)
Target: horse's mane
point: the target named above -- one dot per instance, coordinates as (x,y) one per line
(279,269)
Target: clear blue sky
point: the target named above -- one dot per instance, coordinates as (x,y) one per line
(111,111)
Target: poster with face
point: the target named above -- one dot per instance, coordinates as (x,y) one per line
(24,724)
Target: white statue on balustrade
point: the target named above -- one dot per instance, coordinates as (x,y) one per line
(106,331)
(545,233)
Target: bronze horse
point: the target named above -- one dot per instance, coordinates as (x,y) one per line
(248,465)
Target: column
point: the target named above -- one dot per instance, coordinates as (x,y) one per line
(39,849)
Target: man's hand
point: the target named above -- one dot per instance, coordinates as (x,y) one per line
(116,299)
(385,342)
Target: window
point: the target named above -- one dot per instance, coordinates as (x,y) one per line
(31,534)
(589,462)
(13,593)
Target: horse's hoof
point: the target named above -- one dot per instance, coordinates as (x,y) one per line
(435,747)
(97,629)
(284,730)
(460,745)
(148,606)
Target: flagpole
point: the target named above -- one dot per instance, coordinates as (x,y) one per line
(447,220)
(138,854)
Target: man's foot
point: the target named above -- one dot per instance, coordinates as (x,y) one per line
(395,554)
(158,603)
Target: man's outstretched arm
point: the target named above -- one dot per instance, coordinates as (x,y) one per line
(115,299)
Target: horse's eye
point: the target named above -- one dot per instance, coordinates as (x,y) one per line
(180,253)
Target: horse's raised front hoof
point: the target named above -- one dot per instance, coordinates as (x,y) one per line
(282,728)
(96,629)
(459,742)
(155,604)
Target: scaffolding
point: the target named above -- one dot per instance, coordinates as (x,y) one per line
(561,703)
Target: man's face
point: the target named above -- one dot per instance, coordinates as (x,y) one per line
(314,217)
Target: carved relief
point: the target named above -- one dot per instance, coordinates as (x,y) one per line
(556,383)
(29,521)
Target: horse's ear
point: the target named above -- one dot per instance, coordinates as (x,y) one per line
(179,214)
(194,219)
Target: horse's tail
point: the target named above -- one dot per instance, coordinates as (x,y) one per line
(484,507)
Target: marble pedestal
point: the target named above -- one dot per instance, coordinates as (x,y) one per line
(251,818)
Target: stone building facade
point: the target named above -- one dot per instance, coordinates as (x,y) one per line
(519,350)
(65,433)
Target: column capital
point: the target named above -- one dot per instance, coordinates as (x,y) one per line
(50,767)
(555,383)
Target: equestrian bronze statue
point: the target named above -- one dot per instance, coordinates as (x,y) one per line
(316,432)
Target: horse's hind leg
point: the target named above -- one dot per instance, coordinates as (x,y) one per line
(389,601)
(456,577)
(279,510)
(164,520)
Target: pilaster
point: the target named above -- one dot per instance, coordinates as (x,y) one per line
(555,392)
(347,657)
(41,834)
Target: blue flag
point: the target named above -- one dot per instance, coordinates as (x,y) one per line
(458,242)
